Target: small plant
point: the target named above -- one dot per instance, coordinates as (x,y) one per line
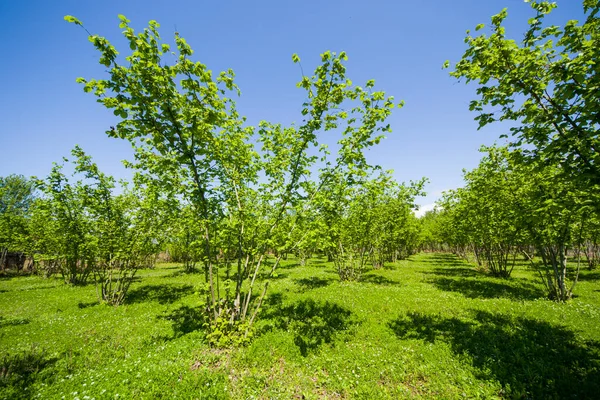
(223,333)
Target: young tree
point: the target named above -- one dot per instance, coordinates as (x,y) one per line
(126,230)
(185,243)
(369,224)
(493,192)
(60,227)
(453,223)
(554,210)
(354,250)
(508,206)
(84,229)
(430,232)
(242,183)
(16,196)
(547,84)
(590,240)
(399,227)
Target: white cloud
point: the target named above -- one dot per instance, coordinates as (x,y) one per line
(423,209)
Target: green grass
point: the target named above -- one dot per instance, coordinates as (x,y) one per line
(427,327)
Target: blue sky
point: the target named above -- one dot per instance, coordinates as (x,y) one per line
(402,44)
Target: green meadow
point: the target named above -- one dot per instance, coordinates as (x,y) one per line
(431,326)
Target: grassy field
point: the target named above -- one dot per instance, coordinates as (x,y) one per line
(427,327)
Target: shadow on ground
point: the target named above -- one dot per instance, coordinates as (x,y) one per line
(10,274)
(263,275)
(312,323)
(185,319)
(87,304)
(160,293)
(314,282)
(454,272)
(378,280)
(485,288)
(20,370)
(271,304)
(276,275)
(530,358)
(180,271)
(445,259)
(389,266)
(589,276)
(88,282)
(12,322)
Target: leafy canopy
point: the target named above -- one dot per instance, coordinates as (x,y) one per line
(547,84)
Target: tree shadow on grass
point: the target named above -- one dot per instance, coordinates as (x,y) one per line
(19,371)
(262,276)
(185,319)
(484,288)
(314,282)
(390,266)
(454,271)
(9,274)
(444,259)
(530,358)
(589,276)
(88,304)
(13,321)
(42,287)
(312,323)
(163,294)
(181,272)
(378,280)
(276,275)
(88,282)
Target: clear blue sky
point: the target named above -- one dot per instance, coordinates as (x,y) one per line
(402,44)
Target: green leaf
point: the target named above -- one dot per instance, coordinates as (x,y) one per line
(295,58)
(124,21)
(72,19)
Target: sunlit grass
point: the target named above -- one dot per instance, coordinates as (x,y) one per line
(430,326)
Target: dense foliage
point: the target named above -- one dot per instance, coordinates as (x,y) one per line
(509,208)
(81,229)
(547,84)
(16,196)
(304,258)
(244,191)
(542,195)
